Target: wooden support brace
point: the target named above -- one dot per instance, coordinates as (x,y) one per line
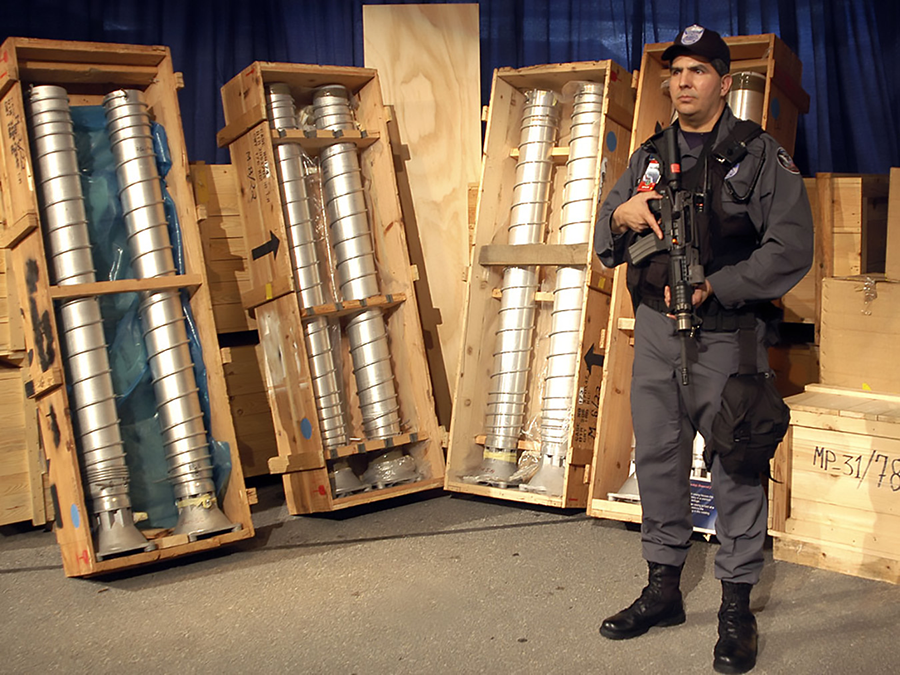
(240,126)
(175,282)
(523,255)
(365,447)
(351,306)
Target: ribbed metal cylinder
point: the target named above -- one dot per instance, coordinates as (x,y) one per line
(747,96)
(528,216)
(576,221)
(106,476)
(299,213)
(351,237)
(162,317)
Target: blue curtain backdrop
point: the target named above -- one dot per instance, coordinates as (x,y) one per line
(849,50)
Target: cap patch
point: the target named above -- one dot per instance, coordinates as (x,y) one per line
(691,34)
(786,162)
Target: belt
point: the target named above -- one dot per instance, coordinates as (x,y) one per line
(714,318)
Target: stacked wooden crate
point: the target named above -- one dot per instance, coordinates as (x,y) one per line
(835,505)
(492,255)
(273,293)
(850,215)
(222,234)
(88,71)
(24,484)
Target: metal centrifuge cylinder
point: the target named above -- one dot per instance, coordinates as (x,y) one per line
(106,476)
(162,318)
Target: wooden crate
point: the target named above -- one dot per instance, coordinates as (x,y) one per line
(273,297)
(850,213)
(491,256)
(860,325)
(88,71)
(784,100)
(250,408)
(222,234)
(837,503)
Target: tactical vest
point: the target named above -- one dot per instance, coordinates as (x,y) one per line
(724,240)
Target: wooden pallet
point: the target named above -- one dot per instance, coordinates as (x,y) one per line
(272,296)
(492,254)
(783,102)
(88,71)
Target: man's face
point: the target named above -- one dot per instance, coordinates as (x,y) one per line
(697,90)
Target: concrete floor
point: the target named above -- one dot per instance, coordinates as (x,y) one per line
(429,584)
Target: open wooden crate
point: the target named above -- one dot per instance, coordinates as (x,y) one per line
(784,100)
(492,254)
(273,299)
(88,71)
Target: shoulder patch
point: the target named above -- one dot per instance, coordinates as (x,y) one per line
(651,176)
(786,162)
(733,172)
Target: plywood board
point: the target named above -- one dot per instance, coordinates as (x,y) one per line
(427,57)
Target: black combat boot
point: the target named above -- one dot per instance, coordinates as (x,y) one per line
(660,604)
(735,650)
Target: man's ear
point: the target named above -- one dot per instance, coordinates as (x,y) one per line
(727,81)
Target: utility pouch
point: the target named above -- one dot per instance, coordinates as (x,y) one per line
(752,420)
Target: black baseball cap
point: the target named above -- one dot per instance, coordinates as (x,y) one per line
(699,41)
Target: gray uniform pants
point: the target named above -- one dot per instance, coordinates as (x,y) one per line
(666,415)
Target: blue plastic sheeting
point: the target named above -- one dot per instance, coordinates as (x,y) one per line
(150,489)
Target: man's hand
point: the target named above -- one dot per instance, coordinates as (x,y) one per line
(635,215)
(701,294)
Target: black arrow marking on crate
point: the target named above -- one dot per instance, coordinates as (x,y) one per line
(40,323)
(270,246)
(591,359)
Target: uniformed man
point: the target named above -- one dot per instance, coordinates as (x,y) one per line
(756,243)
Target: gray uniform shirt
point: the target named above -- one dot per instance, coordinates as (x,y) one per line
(778,208)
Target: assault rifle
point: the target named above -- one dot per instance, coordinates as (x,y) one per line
(677,213)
